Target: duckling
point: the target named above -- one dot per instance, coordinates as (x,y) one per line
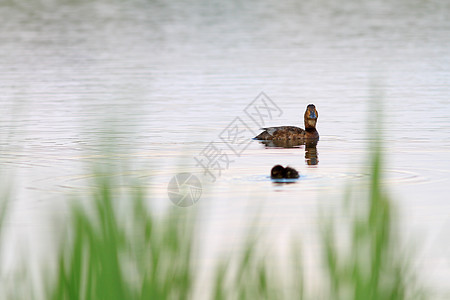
(279,172)
(292,132)
(290,173)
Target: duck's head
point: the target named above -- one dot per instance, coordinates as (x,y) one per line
(311,116)
(290,173)
(277,172)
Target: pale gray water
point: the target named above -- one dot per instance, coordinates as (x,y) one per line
(170,77)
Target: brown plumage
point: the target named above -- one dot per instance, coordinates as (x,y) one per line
(279,172)
(290,173)
(292,132)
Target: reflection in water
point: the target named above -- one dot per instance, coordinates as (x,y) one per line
(281,182)
(311,154)
(156,73)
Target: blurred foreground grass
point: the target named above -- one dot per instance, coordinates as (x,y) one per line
(124,256)
(111,251)
(373,263)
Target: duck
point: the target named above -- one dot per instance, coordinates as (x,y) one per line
(280,172)
(283,133)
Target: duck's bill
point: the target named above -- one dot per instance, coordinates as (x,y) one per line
(312,114)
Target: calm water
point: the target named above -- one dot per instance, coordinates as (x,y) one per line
(170,78)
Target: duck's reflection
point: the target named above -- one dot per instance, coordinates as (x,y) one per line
(311,154)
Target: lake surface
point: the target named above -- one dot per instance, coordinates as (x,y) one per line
(169,78)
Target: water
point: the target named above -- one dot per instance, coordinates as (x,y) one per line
(168,78)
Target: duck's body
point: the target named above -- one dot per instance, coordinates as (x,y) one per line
(290,173)
(279,172)
(292,132)
(283,133)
